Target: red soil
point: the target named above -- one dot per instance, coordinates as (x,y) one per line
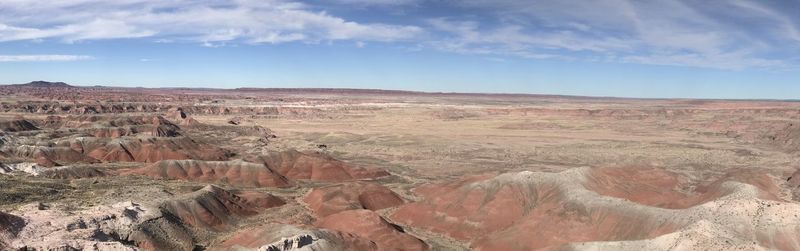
(217,209)
(238,173)
(504,212)
(332,199)
(315,166)
(149,150)
(50,156)
(369,225)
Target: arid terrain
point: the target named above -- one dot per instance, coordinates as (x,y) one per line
(102,168)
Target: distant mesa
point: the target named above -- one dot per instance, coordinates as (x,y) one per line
(45,84)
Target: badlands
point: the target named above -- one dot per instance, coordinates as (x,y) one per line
(103,168)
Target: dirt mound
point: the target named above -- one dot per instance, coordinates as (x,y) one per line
(218,209)
(290,238)
(501,213)
(48,156)
(369,225)
(148,150)
(70,173)
(332,199)
(17,126)
(116,126)
(315,166)
(86,121)
(238,173)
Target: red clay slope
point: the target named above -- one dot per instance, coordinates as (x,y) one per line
(369,225)
(49,156)
(332,199)
(238,173)
(218,209)
(506,211)
(315,166)
(148,150)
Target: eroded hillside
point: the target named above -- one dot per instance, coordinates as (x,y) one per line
(289,169)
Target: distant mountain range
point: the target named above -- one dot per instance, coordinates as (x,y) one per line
(45,84)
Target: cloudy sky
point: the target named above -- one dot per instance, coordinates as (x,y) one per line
(677,48)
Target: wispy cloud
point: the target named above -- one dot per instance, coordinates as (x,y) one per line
(249,21)
(43,58)
(719,34)
(735,34)
(378,2)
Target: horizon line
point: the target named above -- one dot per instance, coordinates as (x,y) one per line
(407,91)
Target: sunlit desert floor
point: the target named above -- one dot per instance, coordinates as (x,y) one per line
(286,169)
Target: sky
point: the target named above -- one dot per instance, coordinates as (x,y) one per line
(738,49)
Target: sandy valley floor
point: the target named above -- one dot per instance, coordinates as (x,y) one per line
(483,172)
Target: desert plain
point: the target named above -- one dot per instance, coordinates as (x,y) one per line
(107,168)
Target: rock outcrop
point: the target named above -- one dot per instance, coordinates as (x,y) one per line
(17,126)
(282,237)
(123,226)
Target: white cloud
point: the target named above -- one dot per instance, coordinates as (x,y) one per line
(378,2)
(727,61)
(43,58)
(468,37)
(721,34)
(250,21)
(733,34)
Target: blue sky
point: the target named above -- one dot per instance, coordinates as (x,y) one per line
(629,48)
